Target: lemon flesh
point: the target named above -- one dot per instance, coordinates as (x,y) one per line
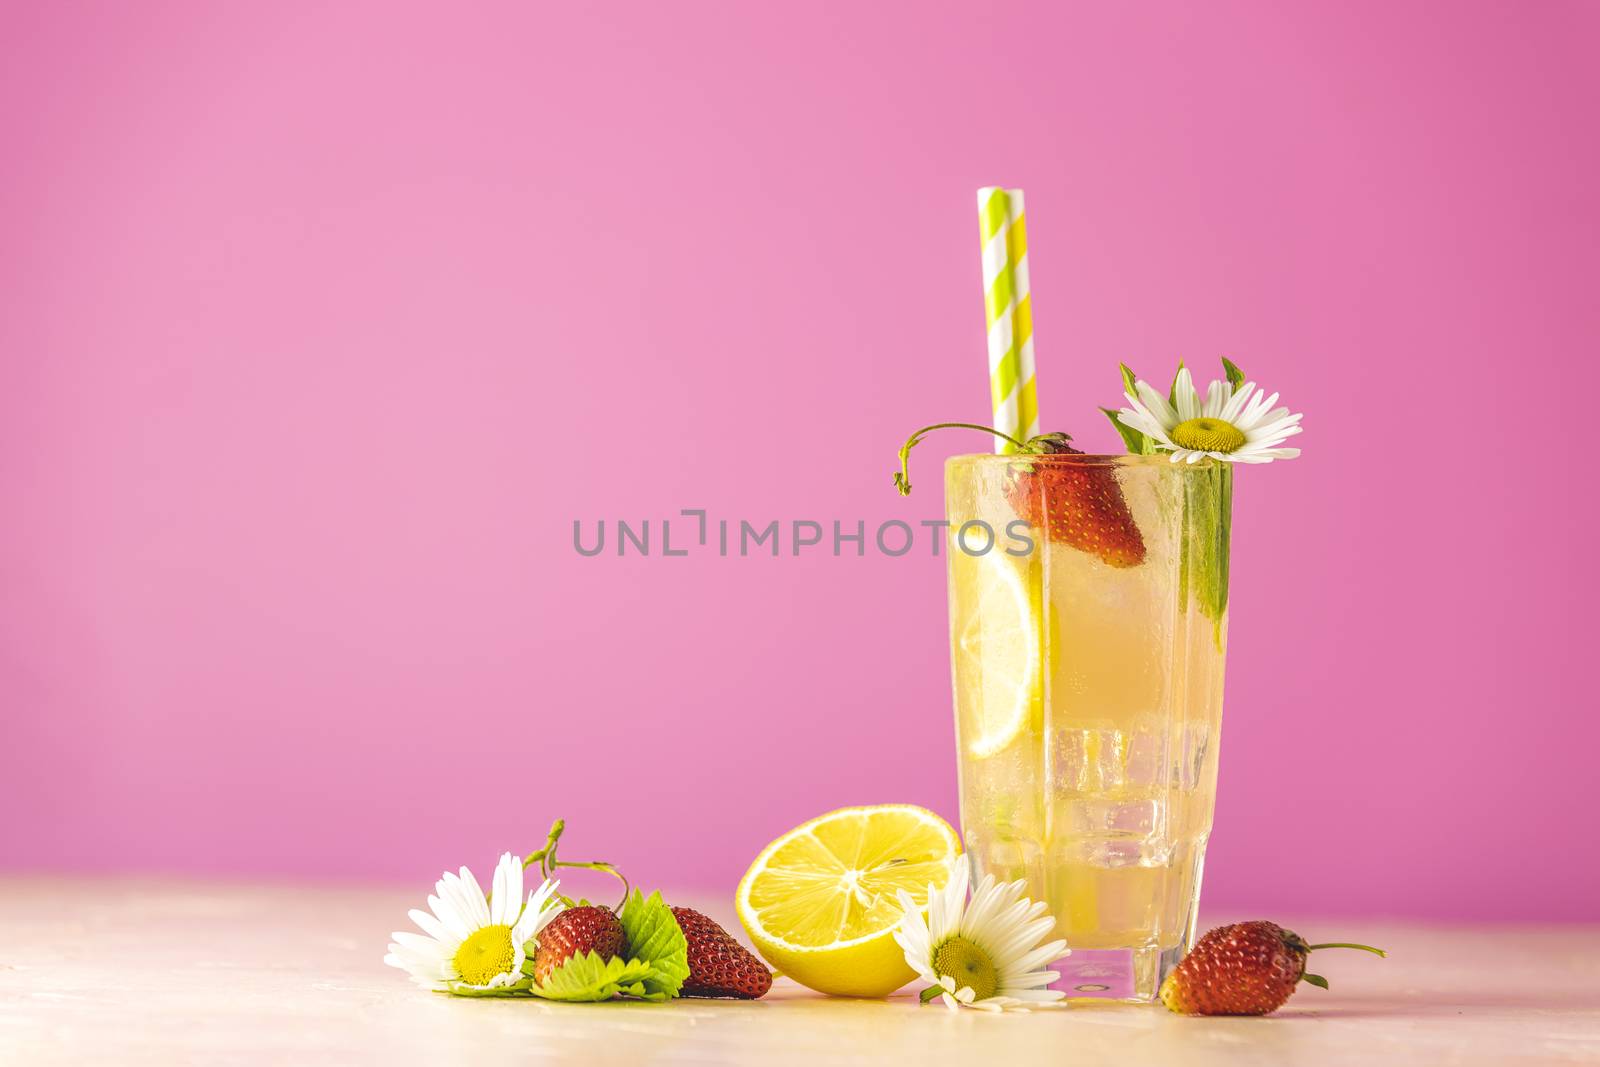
(821,901)
(995,650)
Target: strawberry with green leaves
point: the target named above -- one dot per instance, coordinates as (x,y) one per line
(591,952)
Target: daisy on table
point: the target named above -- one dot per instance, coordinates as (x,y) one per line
(983,953)
(473,941)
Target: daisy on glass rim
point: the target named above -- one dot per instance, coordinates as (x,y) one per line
(1235,425)
(983,953)
(474,942)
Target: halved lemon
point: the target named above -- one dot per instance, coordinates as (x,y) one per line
(995,649)
(820,902)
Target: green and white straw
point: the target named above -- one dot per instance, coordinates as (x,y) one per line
(1008,312)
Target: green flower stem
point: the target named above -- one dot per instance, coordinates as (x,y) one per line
(549,864)
(932,993)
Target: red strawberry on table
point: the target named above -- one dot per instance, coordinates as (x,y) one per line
(718,965)
(1243,969)
(578,930)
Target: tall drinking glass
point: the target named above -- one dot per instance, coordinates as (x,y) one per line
(1088,622)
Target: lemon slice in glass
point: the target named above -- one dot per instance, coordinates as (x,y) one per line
(995,649)
(820,902)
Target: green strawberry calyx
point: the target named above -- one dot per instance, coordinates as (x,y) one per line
(1044,444)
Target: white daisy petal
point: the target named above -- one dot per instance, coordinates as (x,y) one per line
(421,972)
(459,896)
(1273,416)
(950,902)
(449,917)
(475,897)
(407,939)
(1236,403)
(1184,398)
(430,924)
(1267,440)
(418,966)
(542,906)
(1247,414)
(1255,448)
(1267,455)
(1042,996)
(507,908)
(1273,421)
(1255,411)
(415,959)
(1141,421)
(1156,405)
(1151,429)
(497,896)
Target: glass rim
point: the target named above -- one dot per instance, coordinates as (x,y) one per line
(1085,459)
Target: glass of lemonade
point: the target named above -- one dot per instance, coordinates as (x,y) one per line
(1088,696)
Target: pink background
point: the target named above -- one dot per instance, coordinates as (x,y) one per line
(320,327)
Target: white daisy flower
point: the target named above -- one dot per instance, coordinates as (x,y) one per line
(1233,425)
(983,954)
(474,942)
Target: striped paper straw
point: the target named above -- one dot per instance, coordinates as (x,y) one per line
(1009,313)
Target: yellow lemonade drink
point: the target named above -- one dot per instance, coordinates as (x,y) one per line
(1087,640)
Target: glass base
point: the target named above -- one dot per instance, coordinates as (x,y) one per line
(1126,975)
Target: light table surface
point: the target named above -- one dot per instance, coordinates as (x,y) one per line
(146,972)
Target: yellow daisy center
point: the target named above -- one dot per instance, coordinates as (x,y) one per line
(1207,435)
(484,954)
(969,965)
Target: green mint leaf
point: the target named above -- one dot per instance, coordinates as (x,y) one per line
(587,977)
(1129,381)
(1207,523)
(1138,444)
(1235,375)
(655,937)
